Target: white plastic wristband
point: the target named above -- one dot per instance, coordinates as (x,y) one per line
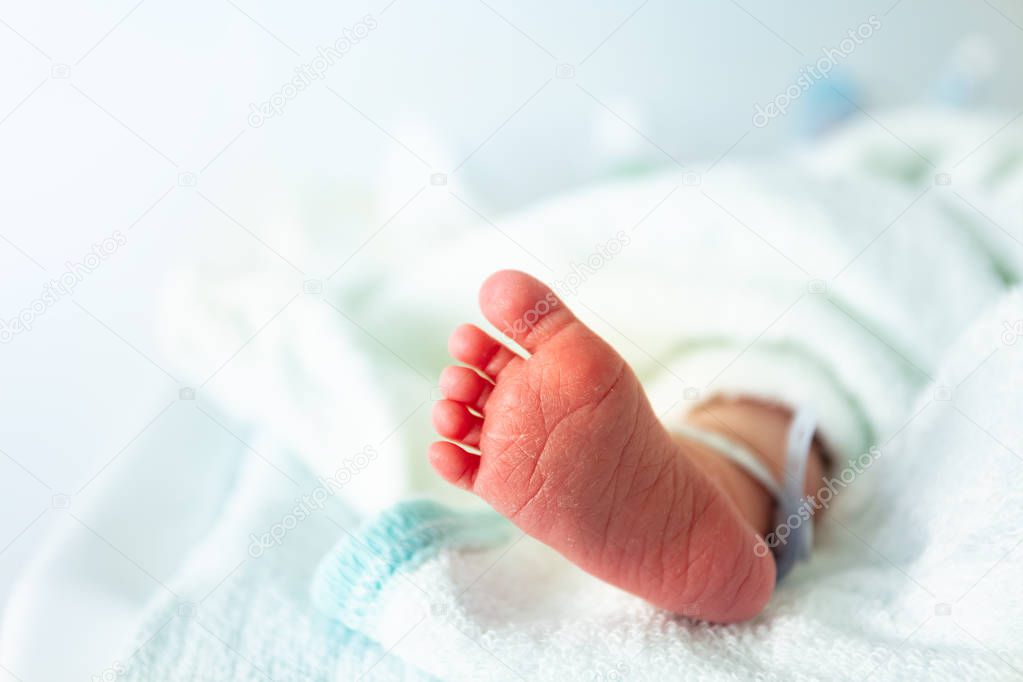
(788,495)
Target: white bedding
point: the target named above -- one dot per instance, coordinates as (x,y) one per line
(719,289)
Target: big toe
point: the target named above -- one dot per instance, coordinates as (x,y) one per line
(524,308)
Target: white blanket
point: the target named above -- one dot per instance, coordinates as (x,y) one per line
(922,582)
(919,582)
(839,280)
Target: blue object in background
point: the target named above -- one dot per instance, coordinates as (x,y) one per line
(826,104)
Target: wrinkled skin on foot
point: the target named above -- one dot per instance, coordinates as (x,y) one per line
(573,454)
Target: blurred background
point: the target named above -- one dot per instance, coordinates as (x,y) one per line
(166,134)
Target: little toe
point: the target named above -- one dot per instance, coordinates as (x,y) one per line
(473,346)
(524,308)
(454,464)
(464,385)
(453,420)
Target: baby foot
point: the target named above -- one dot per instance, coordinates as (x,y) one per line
(573,454)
